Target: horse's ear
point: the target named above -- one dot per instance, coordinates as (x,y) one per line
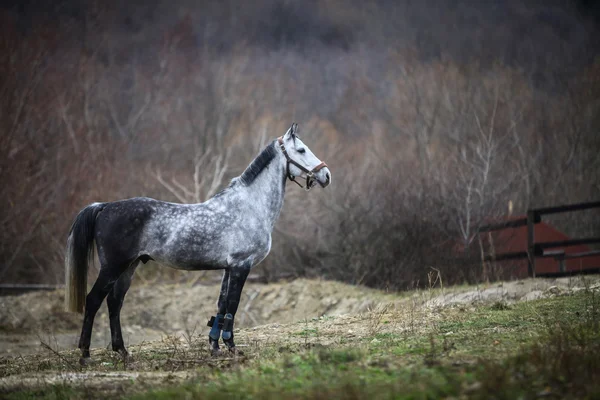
(291,133)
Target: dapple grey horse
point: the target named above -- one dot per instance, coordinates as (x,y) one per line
(231,231)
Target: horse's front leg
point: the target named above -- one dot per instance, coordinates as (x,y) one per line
(237,279)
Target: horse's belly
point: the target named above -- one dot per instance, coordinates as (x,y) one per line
(186,252)
(191,260)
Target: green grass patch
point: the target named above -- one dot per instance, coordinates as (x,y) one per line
(548,348)
(307,332)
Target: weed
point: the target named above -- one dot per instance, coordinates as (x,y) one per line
(500,306)
(377,318)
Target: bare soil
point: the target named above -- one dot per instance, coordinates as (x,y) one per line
(150,312)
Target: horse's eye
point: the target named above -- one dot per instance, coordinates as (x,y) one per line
(301,151)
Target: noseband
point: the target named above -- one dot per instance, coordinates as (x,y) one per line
(310,174)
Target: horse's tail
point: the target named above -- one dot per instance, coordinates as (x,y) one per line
(80,252)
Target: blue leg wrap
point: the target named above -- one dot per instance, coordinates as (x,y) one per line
(215,331)
(227,327)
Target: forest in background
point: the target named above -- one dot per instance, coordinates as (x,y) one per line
(433,116)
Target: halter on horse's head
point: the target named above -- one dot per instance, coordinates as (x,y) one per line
(299,159)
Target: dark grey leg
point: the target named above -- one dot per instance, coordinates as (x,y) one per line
(222,303)
(115,301)
(215,331)
(104,284)
(237,279)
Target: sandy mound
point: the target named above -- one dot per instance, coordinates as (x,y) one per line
(178,307)
(152,311)
(510,292)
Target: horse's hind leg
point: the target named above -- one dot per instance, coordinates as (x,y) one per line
(237,279)
(114,300)
(215,330)
(104,284)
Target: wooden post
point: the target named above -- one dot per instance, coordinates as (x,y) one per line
(561,265)
(531,243)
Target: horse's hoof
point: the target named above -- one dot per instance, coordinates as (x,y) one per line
(85,361)
(214,347)
(127,358)
(234,350)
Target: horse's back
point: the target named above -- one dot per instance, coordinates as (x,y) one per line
(184,236)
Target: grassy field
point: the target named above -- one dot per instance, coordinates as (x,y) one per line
(548,348)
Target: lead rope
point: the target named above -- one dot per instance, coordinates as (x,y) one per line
(290,176)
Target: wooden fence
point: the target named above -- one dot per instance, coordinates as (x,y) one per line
(18,288)
(534,249)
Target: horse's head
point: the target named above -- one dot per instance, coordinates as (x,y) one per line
(301,161)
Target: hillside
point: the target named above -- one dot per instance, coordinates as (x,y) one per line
(432,342)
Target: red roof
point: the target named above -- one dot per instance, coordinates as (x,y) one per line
(515,240)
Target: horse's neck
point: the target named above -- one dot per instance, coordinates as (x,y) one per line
(266,192)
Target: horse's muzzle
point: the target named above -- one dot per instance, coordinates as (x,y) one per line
(324,178)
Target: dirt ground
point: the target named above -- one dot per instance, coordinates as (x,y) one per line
(152,312)
(170,320)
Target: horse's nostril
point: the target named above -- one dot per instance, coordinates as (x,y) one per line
(327,177)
